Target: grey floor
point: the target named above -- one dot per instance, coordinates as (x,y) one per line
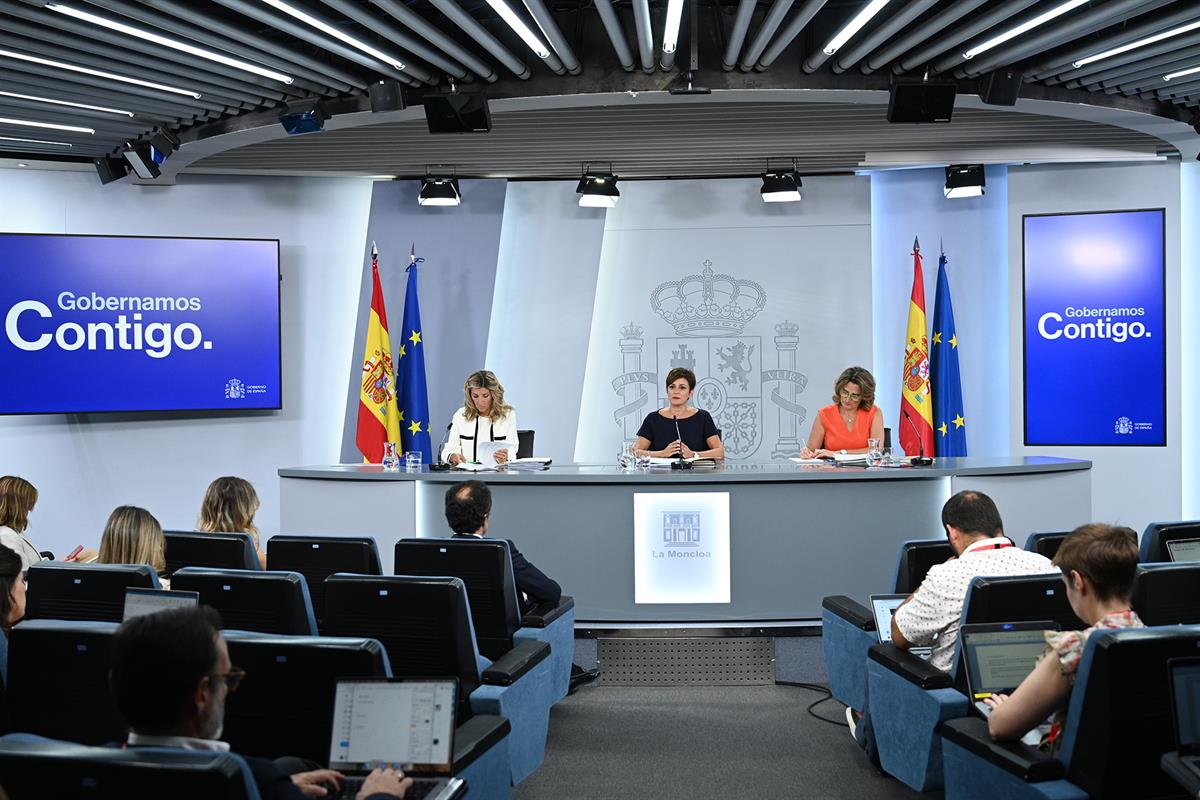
(694,743)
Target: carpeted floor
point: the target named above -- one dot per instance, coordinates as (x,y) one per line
(693,743)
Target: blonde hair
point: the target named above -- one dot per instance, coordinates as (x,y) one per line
(229,506)
(17,498)
(485,379)
(866,385)
(133,536)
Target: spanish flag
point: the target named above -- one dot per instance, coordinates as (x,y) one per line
(916,406)
(378,416)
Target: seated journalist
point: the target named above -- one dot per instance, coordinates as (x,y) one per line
(852,418)
(679,429)
(170,676)
(1098,564)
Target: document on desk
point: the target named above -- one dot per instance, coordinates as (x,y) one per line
(809,461)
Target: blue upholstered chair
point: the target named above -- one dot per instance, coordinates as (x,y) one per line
(1154,540)
(251,599)
(58,681)
(1118,725)
(907,698)
(318,557)
(34,766)
(1167,594)
(424,623)
(1045,543)
(93,592)
(848,626)
(263,718)
(486,568)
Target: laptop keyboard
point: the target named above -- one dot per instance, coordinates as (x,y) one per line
(420,788)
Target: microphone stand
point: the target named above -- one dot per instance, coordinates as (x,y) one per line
(679,463)
(439,465)
(920,460)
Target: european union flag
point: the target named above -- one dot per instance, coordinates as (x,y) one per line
(410,374)
(949,424)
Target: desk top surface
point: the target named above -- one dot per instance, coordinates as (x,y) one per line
(733,472)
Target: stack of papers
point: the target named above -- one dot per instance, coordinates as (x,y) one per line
(517,463)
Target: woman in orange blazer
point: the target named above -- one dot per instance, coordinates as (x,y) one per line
(852,419)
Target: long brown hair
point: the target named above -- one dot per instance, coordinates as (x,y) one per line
(133,536)
(17,498)
(229,506)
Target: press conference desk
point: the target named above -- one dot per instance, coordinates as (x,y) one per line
(797,533)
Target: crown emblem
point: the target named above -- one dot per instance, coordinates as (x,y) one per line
(787,329)
(631,331)
(708,304)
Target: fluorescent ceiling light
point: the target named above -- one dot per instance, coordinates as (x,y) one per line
(341,36)
(671,31)
(1029,25)
(520,28)
(854,26)
(140,33)
(34,141)
(1125,48)
(1181,73)
(65,103)
(49,125)
(98,73)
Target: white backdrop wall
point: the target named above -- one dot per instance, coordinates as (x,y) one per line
(85,465)
(910,203)
(1130,485)
(789,308)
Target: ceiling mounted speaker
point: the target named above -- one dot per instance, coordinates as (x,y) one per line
(386,96)
(457,112)
(921,101)
(1001,87)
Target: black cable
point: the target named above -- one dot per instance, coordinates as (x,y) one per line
(815,687)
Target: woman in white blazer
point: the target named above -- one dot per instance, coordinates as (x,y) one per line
(484,417)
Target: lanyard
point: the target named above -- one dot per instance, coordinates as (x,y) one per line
(992,546)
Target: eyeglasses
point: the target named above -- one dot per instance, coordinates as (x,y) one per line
(850,395)
(233,678)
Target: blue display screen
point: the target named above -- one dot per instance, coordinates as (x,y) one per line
(1095,329)
(109,323)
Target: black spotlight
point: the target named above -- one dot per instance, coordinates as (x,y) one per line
(386,96)
(164,143)
(781,187)
(598,190)
(439,191)
(303,116)
(110,169)
(140,158)
(964,180)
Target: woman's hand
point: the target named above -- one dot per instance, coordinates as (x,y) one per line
(455,458)
(687,451)
(996,700)
(807,452)
(501,456)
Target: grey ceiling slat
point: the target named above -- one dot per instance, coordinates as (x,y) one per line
(418,25)
(67,115)
(1055,64)
(788,33)
(1097,76)
(487,41)
(851,55)
(40,86)
(1154,68)
(401,39)
(979,24)
(926,30)
(737,36)
(105,83)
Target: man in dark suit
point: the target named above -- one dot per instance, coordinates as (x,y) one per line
(170,675)
(468,510)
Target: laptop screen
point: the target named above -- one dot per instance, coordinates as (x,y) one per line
(1185,690)
(1184,549)
(884,607)
(998,660)
(404,722)
(147,601)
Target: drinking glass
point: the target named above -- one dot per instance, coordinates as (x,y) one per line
(887,459)
(390,461)
(626,458)
(412,461)
(643,460)
(874,452)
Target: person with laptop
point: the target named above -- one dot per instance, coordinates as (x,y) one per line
(170,675)
(1098,564)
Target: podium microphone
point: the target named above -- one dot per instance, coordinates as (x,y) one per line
(680,463)
(439,465)
(920,460)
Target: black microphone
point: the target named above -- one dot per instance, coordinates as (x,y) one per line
(440,465)
(919,460)
(679,463)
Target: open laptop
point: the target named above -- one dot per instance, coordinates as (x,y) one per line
(406,723)
(1184,549)
(1185,708)
(1000,655)
(147,601)
(884,606)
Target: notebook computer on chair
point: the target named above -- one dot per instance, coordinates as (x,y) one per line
(1185,709)
(407,723)
(1000,655)
(139,602)
(884,606)
(1184,549)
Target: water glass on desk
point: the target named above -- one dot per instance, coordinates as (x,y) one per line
(412,461)
(626,458)
(390,461)
(874,452)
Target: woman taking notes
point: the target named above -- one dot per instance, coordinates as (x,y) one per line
(484,417)
(852,419)
(679,429)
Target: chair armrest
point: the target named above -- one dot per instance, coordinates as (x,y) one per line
(1027,763)
(912,668)
(850,610)
(476,736)
(540,616)
(47,554)
(506,670)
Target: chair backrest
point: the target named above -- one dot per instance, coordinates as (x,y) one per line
(219,550)
(485,566)
(1157,534)
(37,767)
(423,623)
(915,559)
(1167,594)
(253,600)
(58,681)
(1019,598)
(1119,717)
(83,591)
(1045,543)
(285,704)
(525,444)
(318,557)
